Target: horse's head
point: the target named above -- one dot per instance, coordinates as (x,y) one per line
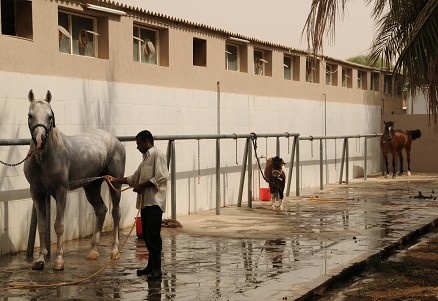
(277,168)
(389,130)
(41,119)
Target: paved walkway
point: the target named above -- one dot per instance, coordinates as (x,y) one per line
(245,254)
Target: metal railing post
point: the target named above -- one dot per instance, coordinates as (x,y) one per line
(297,170)
(347,160)
(249,177)
(218,178)
(277,148)
(292,157)
(173,181)
(168,153)
(342,161)
(242,173)
(365,167)
(321,168)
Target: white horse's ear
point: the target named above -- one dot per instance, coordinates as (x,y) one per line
(48,96)
(30,96)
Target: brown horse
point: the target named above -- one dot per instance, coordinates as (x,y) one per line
(393,141)
(276,179)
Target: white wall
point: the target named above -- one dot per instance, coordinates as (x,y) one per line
(126,109)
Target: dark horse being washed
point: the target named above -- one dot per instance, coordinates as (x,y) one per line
(276,179)
(57,161)
(393,141)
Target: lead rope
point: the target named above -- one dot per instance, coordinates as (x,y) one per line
(254,142)
(29,154)
(32,285)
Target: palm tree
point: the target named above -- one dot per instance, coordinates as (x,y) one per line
(407,37)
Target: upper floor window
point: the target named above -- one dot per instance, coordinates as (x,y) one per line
(16,18)
(312,70)
(331,75)
(287,64)
(375,79)
(387,84)
(362,80)
(259,62)
(199,52)
(145,45)
(232,57)
(347,77)
(77,34)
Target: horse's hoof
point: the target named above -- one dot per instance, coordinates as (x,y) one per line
(409,173)
(58,265)
(281,207)
(400,174)
(38,265)
(115,255)
(92,255)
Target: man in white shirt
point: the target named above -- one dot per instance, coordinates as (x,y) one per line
(150,182)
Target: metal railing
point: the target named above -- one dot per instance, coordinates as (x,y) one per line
(246,169)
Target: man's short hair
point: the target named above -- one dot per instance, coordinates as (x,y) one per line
(145,136)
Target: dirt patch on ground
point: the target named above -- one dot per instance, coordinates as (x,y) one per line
(412,274)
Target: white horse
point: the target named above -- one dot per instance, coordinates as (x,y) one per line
(57,161)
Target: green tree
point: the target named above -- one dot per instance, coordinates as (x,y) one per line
(406,37)
(366,61)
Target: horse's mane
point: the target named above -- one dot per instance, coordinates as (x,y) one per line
(58,138)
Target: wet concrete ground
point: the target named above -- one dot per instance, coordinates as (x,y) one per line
(243,254)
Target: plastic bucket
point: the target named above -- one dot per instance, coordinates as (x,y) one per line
(265,194)
(138,227)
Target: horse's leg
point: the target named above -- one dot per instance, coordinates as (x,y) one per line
(281,197)
(115,198)
(408,158)
(39,201)
(393,165)
(61,200)
(92,191)
(400,158)
(272,197)
(386,165)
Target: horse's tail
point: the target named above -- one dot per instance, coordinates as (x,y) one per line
(415,134)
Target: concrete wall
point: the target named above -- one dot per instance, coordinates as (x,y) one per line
(123,97)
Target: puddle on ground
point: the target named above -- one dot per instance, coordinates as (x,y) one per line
(311,241)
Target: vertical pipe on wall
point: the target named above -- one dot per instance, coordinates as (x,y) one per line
(218,107)
(277,147)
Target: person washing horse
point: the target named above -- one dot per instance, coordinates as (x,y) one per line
(150,182)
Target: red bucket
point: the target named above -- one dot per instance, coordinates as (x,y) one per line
(138,227)
(265,194)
